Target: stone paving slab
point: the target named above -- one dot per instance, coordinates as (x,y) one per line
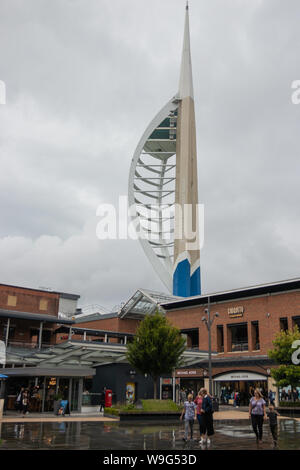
(230,415)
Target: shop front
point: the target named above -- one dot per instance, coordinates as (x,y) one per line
(243,382)
(190,380)
(46,388)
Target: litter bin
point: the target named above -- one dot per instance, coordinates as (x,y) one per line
(108,398)
(215,404)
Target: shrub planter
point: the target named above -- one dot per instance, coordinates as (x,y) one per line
(289,411)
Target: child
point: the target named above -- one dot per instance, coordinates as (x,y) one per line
(190,414)
(272,415)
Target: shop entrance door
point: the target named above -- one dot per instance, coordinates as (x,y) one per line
(225,391)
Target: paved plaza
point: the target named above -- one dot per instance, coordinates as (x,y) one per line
(99,433)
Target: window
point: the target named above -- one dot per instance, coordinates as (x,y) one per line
(296,322)
(220,338)
(239,337)
(11,300)
(284,324)
(192,338)
(255,335)
(43,304)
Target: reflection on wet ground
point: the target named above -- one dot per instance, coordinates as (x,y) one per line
(118,436)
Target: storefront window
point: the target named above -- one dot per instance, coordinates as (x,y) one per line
(50,391)
(225,391)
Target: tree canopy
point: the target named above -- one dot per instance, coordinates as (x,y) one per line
(156,348)
(288,372)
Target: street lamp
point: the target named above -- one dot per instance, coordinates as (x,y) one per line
(208,320)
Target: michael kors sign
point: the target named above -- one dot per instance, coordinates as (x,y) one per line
(235,312)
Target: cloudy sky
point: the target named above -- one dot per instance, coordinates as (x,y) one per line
(84,79)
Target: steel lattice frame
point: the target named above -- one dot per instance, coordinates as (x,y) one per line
(152,185)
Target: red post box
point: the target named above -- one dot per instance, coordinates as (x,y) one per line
(108,398)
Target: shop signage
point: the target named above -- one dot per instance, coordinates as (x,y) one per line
(239,376)
(189,373)
(235,312)
(167,381)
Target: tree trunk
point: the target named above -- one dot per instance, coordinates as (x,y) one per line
(155,387)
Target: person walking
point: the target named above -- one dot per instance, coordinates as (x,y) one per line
(102,399)
(19,400)
(207,416)
(271,398)
(198,401)
(272,415)
(25,403)
(257,414)
(283,395)
(190,414)
(182,396)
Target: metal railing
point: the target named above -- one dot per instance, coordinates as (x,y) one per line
(27,345)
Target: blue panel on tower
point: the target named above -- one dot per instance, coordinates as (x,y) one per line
(196,282)
(181,279)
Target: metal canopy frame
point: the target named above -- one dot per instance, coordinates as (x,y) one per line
(144,302)
(86,354)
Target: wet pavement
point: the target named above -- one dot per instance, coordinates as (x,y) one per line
(119,436)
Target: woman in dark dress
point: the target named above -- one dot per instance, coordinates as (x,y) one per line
(207,416)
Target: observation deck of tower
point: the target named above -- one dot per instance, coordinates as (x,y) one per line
(163,183)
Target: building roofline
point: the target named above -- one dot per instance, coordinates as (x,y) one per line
(34,316)
(235,294)
(64,295)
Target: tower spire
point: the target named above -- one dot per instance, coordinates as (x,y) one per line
(186,77)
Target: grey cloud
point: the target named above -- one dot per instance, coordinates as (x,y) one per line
(84,79)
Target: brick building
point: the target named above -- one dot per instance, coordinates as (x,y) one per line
(54,350)
(242,333)
(29,319)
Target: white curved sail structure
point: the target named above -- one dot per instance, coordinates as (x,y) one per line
(163,176)
(152,190)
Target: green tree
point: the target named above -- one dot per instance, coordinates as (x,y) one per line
(156,348)
(287,373)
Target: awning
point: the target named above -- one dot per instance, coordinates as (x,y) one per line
(49,372)
(34,316)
